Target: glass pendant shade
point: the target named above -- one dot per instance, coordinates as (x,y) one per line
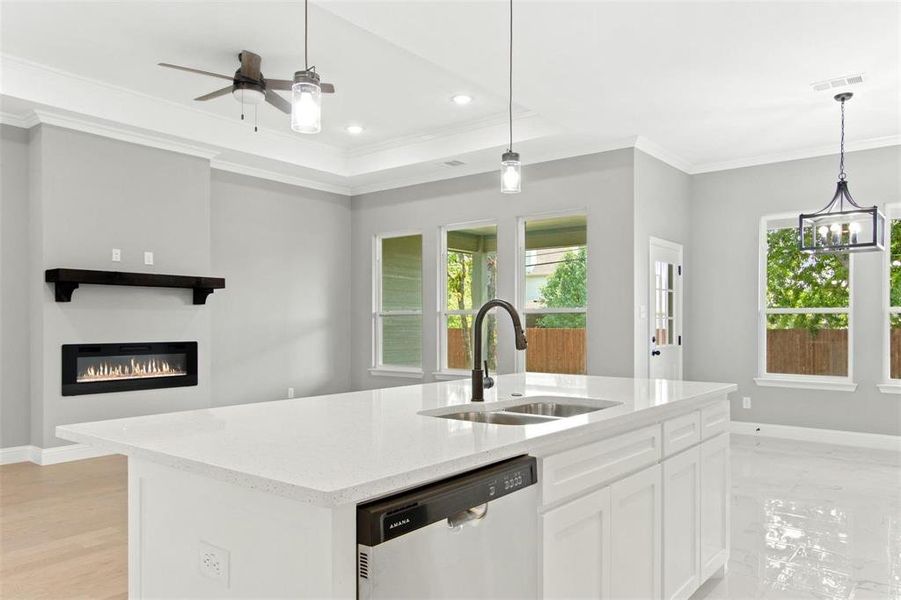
(842,226)
(511,175)
(306,106)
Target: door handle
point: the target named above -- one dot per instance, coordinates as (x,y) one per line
(655,352)
(476,513)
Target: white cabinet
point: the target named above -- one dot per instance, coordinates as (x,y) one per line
(636,530)
(715,499)
(576,548)
(681,524)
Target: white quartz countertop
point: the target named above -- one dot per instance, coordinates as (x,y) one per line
(346,448)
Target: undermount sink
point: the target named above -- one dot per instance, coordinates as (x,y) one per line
(533,410)
(494,417)
(557,407)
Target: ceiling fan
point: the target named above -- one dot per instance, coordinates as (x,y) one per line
(248,85)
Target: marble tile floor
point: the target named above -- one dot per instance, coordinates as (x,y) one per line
(812,521)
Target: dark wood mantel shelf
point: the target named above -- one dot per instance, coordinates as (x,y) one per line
(67,280)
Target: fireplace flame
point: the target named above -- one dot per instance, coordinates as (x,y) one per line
(134,369)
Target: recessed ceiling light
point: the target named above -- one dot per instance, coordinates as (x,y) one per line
(462,99)
(354,129)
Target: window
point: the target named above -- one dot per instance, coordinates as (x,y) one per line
(554,293)
(806,314)
(894,295)
(469,273)
(397,318)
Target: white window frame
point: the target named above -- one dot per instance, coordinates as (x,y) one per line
(787,380)
(378,368)
(442,311)
(889,385)
(520,283)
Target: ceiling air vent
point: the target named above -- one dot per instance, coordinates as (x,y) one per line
(454,163)
(838,82)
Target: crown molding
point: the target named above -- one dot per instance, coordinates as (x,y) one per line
(662,154)
(26,121)
(123,134)
(233,167)
(813,152)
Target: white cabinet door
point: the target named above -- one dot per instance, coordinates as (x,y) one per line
(576,548)
(681,524)
(715,500)
(635,544)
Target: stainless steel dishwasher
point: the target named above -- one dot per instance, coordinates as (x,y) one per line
(474,535)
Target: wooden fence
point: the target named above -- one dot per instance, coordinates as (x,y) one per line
(550,350)
(802,352)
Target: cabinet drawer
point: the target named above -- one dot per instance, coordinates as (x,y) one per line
(681,433)
(715,419)
(582,468)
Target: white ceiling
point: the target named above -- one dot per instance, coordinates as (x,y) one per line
(704,85)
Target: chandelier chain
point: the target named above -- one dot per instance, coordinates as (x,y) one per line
(841,164)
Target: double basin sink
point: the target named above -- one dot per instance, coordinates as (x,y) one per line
(533,410)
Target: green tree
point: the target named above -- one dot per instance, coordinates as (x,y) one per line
(797,279)
(566,288)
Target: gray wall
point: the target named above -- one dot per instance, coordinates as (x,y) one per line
(285,253)
(662,210)
(14,337)
(68,198)
(723,286)
(96,194)
(601,185)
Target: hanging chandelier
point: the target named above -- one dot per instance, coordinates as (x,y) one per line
(511,167)
(842,225)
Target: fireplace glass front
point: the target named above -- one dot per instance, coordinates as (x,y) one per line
(101,368)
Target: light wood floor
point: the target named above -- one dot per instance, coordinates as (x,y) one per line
(63,530)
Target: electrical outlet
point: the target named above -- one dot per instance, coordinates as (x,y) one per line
(214,563)
(746,402)
(148,258)
(290,392)
(117,255)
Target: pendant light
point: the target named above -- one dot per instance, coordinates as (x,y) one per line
(511,167)
(842,225)
(306,92)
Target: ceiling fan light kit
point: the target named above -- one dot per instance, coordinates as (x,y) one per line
(842,225)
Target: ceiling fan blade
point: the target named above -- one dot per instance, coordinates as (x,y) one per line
(278,102)
(327,88)
(250,64)
(279,84)
(216,94)
(198,71)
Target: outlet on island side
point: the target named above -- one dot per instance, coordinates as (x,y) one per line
(214,563)
(117,255)
(148,258)
(746,402)
(290,392)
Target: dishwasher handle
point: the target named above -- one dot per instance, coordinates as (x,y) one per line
(470,515)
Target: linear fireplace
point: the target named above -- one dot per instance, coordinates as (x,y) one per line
(102,368)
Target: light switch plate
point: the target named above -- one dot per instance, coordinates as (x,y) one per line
(148,258)
(117,255)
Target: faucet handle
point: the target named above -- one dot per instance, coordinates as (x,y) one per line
(487,380)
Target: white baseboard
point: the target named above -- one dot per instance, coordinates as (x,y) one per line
(48,456)
(17,454)
(876,441)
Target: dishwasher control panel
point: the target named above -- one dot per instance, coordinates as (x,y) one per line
(385,519)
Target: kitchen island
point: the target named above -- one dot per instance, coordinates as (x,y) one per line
(259,500)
